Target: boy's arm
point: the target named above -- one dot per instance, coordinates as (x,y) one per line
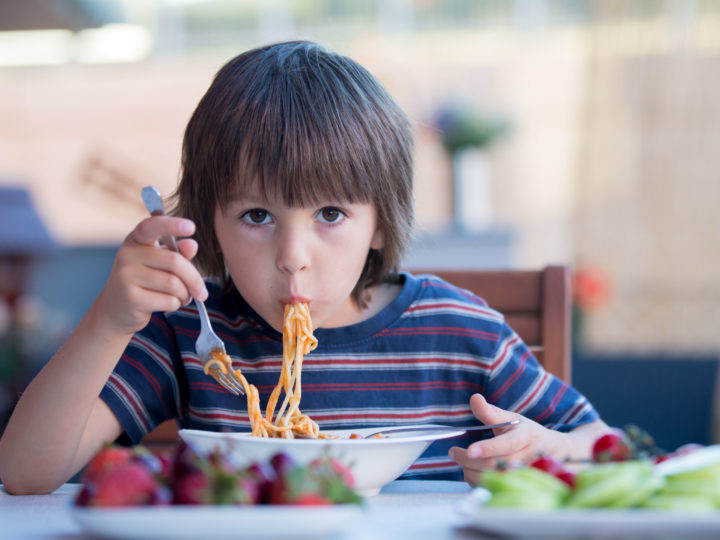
(59,422)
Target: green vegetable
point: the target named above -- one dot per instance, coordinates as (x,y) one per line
(616,484)
(525,487)
(682,503)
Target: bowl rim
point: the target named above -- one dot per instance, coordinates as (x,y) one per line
(400,438)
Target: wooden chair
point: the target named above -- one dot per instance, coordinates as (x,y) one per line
(163,438)
(536,304)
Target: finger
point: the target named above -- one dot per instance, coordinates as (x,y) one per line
(149,301)
(150,230)
(166,272)
(188,248)
(162,282)
(472,476)
(501,446)
(489,414)
(460,456)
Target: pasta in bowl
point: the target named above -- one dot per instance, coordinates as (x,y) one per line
(374,462)
(282,427)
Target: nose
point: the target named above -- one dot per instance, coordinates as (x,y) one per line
(293,251)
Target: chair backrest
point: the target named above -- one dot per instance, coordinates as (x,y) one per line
(535,303)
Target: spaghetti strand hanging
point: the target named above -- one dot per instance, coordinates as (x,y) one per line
(298,340)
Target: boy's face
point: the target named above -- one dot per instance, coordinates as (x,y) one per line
(278,255)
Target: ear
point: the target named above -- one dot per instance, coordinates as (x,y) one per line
(378,239)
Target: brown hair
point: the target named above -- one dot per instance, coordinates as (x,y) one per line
(305,124)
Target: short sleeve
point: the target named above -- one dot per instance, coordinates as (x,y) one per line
(517,382)
(143,389)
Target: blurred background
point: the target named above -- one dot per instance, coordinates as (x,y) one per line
(579,132)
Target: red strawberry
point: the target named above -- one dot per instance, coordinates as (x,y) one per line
(552,466)
(185,461)
(296,482)
(130,484)
(86,494)
(247,490)
(108,459)
(192,488)
(332,467)
(282,463)
(568,477)
(312,499)
(548,464)
(262,475)
(611,447)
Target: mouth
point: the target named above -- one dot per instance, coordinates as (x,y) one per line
(294,300)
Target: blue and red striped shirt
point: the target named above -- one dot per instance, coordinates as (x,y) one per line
(417,361)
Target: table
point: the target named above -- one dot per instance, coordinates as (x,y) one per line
(404,509)
(411,509)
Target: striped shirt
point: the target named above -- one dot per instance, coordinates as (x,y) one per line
(417,361)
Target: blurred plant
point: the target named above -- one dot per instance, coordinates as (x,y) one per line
(591,291)
(592,288)
(461,127)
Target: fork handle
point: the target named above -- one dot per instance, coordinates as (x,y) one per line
(154,204)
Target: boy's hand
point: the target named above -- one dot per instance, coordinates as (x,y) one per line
(519,443)
(147,277)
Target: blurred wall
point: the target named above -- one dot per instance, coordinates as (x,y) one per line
(611,161)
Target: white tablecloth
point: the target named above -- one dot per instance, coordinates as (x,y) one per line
(403,510)
(412,510)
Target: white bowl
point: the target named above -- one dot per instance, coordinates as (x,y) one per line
(374,462)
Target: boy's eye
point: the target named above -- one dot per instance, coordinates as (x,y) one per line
(330,214)
(256,216)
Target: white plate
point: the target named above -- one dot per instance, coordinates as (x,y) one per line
(374,462)
(630,523)
(217,522)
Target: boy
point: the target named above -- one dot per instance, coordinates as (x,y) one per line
(297,187)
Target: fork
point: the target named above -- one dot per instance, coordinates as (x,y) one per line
(208,341)
(439,428)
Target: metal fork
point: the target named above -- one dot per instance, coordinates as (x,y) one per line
(207,341)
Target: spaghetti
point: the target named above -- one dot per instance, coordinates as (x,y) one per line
(289,422)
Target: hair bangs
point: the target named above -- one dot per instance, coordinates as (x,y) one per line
(309,146)
(303,174)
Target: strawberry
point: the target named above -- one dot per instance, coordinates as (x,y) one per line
(295,482)
(282,463)
(130,484)
(546,463)
(611,447)
(192,488)
(333,467)
(108,459)
(86,494)
(552,466)
(312,499)
(228,484)
(568,477)
(262,475)
(186,460)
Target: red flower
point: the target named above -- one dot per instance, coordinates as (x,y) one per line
(592,288)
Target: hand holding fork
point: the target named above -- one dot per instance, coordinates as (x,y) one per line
(209,347)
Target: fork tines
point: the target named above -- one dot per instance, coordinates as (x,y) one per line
(228,381)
